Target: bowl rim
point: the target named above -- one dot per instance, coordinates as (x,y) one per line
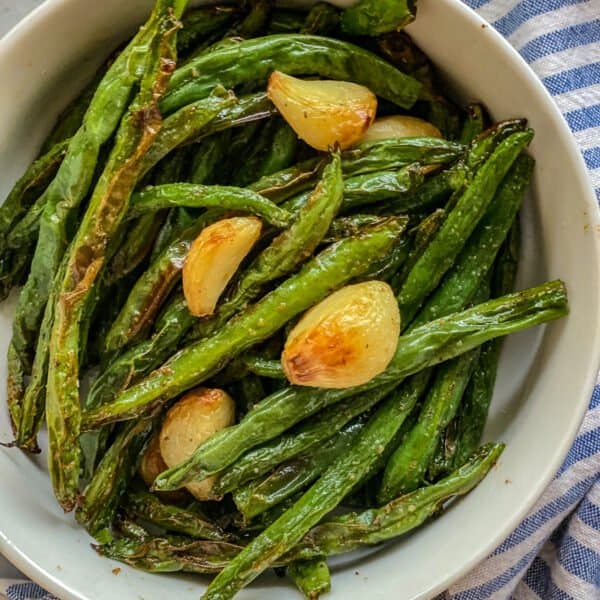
(24,29)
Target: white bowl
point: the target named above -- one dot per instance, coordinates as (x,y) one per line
(545,378)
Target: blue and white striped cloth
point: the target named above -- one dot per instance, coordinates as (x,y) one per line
(554,554)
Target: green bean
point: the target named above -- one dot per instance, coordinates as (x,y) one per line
(140,237)
(71,118)
(101,497)
(263,367)
(398,48)
(474,123)
(208,154)
(15,388)
(32,401)
(259,495)
(282,150)
(201,22)
(322,19)
(261,459)
(326,272)
(127,368)
(423,234)
(148,507)
(288,250)
(249,109)
(286,21)
(254,60)
(242,148)
(458,226)
(255,21)
(86,256)
(311,577)
(388,269)
(507,262)
(338,535)
(249,392)
(444,114)
(168,555)
(152,288)
(405,470)
(350,225)
(176,222)
(422,347)
(28,188)
(61,199)
(443,460)
(136,246)
(474,410)
(207,196)
(403,53)
(324,495)
(193,119)
(14,262)
(369,483)
(487,141)
(382,185)
(14,268)
(374,17)
(481,248)
(434,192)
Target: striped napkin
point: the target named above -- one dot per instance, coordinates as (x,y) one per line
(554,554)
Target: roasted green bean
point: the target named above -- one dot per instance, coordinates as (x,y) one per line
(148,507)
(459,224)
(98,504)
(261,494)
(255,59)
(373,17)
(311,577)
(87,254)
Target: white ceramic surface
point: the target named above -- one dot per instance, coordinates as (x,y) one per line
(545,377)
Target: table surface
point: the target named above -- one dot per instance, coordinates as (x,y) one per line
(11,12)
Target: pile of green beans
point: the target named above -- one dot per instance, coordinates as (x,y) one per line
(176,132)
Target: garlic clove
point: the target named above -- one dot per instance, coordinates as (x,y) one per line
(399,126)
(346,339)
(323,112)
(190,422)
(213,258)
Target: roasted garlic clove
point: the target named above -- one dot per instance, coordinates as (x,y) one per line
(152,463)
(346,339)
(323,113)
(213,259)
(190,422)
(400,126)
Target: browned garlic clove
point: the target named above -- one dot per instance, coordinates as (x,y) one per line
(213,259)
(346,339)
(190,422)
(323,113)
(399,126)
